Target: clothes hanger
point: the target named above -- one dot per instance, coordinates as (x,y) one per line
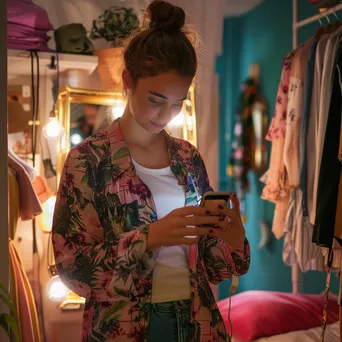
(320,31)
(329,27)
(337,23)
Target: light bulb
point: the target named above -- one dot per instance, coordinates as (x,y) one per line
(53,129)
(76,139)
(178,121)
(57,291)
(118,109)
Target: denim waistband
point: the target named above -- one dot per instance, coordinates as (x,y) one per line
(178,307)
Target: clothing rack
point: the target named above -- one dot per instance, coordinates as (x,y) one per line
(296,25)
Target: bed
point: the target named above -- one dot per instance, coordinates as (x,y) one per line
(311,335)
(266,316)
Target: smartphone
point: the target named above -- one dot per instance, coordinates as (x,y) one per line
(212,199)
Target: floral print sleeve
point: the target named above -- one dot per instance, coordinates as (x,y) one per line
(219,262)
(93,258)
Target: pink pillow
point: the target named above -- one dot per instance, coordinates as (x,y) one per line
(256,314)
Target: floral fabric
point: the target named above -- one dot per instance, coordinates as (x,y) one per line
(102,216)
(277,188)
(277,128)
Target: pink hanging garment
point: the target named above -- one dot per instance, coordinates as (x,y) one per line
(29,205)
(28,168)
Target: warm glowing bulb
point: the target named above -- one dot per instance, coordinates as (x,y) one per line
(178,121)
(53,129)
(118,109)
(76,139)
(57,291)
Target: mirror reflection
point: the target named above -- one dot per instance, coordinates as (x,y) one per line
(86,119)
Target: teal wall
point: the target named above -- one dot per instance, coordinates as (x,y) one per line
(263,36)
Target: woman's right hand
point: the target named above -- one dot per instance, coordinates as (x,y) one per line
(183,226)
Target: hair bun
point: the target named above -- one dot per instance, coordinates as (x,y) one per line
(165,16)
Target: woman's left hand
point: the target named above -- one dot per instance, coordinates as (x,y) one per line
(231,228)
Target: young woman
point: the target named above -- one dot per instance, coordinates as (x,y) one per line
(128,233)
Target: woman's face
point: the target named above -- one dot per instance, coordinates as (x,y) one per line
(157,100)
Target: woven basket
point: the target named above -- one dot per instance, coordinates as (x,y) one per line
(110,67)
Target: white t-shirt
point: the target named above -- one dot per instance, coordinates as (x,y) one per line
(171,278)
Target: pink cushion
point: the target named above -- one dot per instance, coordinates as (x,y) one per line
(256,314)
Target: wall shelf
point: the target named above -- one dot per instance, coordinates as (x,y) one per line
(19,63)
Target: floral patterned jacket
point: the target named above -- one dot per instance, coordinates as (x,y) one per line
(100,226)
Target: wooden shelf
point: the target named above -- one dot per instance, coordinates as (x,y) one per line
(19,63)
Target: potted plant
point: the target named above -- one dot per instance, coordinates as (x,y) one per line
(114,25)
(8,321)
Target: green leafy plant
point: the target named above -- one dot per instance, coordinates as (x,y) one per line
(114,25)
(8,322)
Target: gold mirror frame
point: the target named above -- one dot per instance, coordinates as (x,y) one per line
(68,95)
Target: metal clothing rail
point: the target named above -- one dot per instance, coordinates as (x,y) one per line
(298,24)
(316,17)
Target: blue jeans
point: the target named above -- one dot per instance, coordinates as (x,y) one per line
(169,322)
